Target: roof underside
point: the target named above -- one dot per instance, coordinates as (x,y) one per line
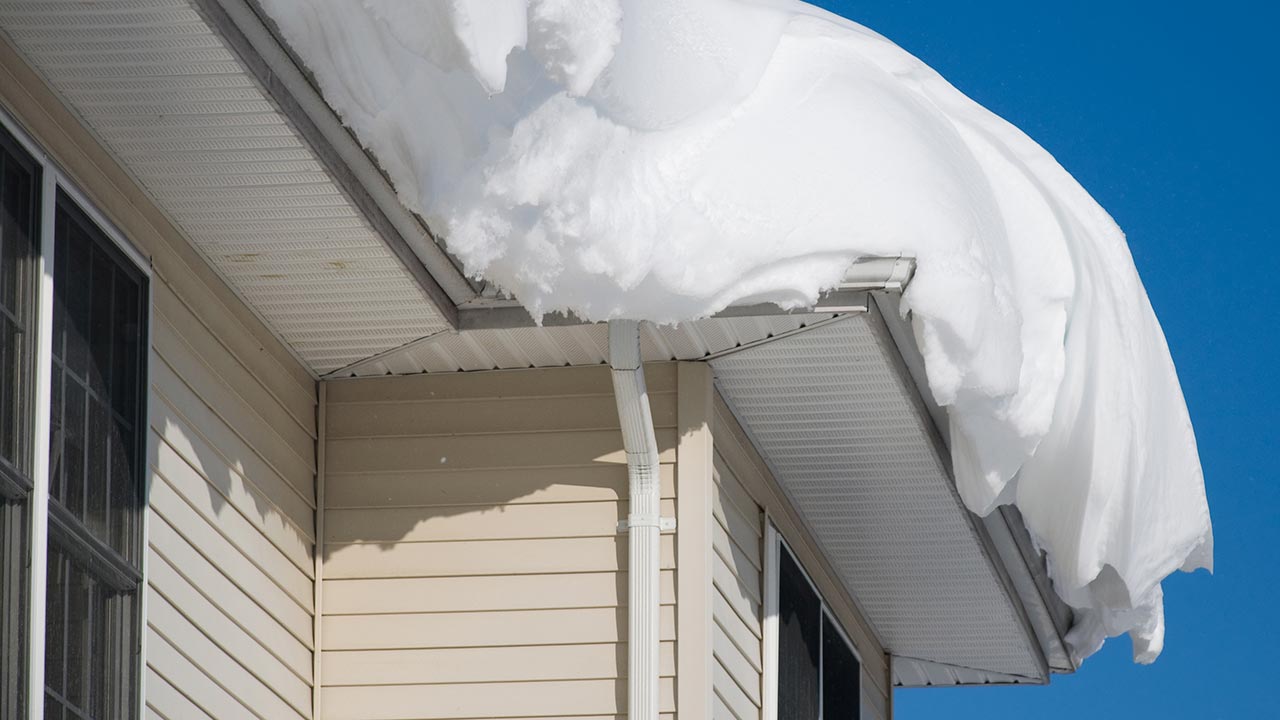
(582,344)
(835,415)
(166,95)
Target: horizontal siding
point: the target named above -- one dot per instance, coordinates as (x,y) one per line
(571,626)
(483,593)
(478,450)
(501,663)
(497,415)
(488,700)
(472,562)
(486,486)
(737,580)
(570,519)
(531,556)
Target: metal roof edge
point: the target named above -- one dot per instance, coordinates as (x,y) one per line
(491,310)
(910,672)
(257,42)
(1012,549)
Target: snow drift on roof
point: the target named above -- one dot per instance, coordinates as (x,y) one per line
(661,159)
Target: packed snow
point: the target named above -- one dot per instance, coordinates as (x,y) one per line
(662,159)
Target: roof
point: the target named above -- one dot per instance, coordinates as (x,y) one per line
(200,102)
(178,95)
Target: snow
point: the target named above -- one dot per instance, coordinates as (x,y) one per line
(662,159)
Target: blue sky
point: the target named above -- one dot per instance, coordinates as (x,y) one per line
(1168,112)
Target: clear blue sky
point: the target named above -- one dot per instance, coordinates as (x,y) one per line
(1168,112)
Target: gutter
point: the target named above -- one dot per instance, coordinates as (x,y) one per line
(493,310)
(644,523)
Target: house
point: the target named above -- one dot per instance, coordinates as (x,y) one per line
(266,452)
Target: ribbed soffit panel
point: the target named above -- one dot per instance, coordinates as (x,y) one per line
(837,421)
(529,347)
(174,104)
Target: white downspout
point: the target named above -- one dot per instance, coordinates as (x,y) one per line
(644,523)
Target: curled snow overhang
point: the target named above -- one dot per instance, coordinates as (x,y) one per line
(665,160)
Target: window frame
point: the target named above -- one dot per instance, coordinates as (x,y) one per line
(774,545)
(53,181)
(16,470)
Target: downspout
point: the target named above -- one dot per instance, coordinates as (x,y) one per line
(644,524)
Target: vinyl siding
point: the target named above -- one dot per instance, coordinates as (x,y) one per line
(231,458)
(231,522)
(472,564)
(737,579)
(744,489)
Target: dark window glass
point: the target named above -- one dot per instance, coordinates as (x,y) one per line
(799,641)
(92,638)
(19,249)
(89,645)
(839,676)
(13,608)
(818,674)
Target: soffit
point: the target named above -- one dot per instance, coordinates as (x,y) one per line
(167,96)
(586,344)
(834,414)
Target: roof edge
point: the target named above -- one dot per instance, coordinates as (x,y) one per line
(1012,549)
(257,43)
(493,310)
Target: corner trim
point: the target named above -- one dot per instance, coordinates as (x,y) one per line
(317,647)
(694,487)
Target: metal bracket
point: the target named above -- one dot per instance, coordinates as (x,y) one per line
(665,525)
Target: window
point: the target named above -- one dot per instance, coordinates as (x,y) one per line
(19,250)
(816,671)
(71,525)
(95,488)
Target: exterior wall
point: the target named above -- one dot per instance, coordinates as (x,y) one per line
(232,460)
(472,565)
(737,603)
(744,493)
(229,604)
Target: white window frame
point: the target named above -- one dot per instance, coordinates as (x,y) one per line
(53,180)
(774,546)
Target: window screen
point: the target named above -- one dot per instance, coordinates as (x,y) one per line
(818,673)
(839,675)
(799,643)
(95,484)
(13,607)
(19,248)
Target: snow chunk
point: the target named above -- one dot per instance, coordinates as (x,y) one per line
(574,41)
(662,159)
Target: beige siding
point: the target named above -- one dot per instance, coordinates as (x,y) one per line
(744,490)
(472,564)
(737,537)
(231,455)
(231,521)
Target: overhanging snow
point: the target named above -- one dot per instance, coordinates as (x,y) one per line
(661,159)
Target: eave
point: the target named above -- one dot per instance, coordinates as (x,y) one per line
(337,320)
